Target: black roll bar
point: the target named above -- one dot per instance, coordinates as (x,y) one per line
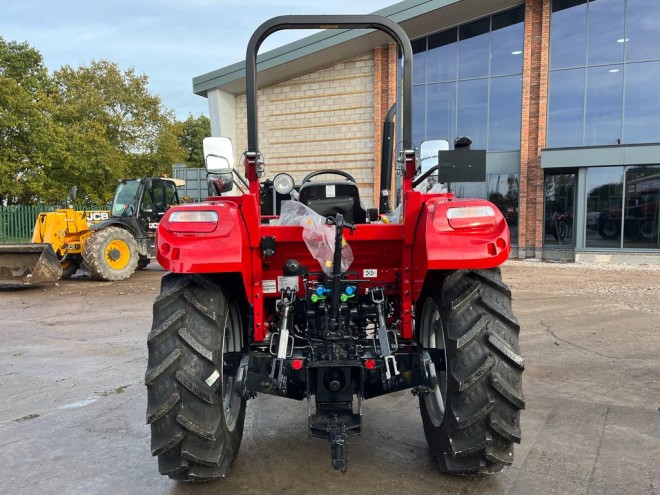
(326,22)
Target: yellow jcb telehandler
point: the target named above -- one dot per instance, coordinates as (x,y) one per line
(110,245)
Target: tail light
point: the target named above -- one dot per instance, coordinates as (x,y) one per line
(471,217)
(192,221)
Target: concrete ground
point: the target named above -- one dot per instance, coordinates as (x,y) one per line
(72,413)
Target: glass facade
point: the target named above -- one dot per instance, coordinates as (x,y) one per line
(468,82)
(611,225)
(560,190)
(604,73)
(603,80)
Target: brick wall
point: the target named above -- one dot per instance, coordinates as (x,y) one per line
(319,120)
(533,129)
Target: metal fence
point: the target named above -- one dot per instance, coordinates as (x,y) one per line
(17,222)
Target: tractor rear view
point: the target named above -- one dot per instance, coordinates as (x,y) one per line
(333,306)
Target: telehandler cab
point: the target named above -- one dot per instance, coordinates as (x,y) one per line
(333,307)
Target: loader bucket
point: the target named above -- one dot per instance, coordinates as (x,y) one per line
(27,264)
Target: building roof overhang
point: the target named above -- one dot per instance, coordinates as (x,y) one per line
(417,17)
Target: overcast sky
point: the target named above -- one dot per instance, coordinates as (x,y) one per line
(171,41)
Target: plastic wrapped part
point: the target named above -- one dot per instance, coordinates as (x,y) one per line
(392,217)
(319,237)
(438,187)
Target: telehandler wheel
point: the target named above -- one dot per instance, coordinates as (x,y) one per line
(473,418)
(110,254)
(194,407)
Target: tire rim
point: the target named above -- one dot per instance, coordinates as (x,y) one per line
(433,337)
(231,402)
(117,254)
(610,229)
(648,230)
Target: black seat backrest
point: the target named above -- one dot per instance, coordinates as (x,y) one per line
(330,198)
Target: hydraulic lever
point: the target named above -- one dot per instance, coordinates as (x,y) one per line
(340,225)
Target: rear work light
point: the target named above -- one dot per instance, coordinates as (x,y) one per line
(471,217)
(193,221)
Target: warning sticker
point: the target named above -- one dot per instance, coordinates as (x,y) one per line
(330,191)
(269,286)
(213,378)
(370,273)
(287,283)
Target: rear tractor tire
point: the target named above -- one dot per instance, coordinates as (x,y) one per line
(110,254)
(194,407)
(472,419)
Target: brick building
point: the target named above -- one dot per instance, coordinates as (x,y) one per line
(562,94)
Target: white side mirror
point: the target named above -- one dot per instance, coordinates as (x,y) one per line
(429,153)
(218,154)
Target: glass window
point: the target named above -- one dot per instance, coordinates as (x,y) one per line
(641,122)
(604,104)
(504,114)
(559,207)
(419,61)
(171,194)
(604,200)
(472,111)
(641,223)
(418,114)
(469,189)
(566,108)
(642,37)
(507,43)
(473,49)
(568,33)
(606,37)
(502,191)
(125,198)
(442,111)
(442,56)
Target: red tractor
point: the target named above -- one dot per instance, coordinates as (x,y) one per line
(332,306)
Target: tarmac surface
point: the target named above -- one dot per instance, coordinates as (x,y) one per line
(72,412)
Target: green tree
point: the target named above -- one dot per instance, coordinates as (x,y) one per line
(194,130)
(29,137)
(88,127)
(116,128)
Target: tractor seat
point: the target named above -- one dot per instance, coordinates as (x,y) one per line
(329,198)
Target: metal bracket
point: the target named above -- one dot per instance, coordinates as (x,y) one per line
(384,348)
(339,446)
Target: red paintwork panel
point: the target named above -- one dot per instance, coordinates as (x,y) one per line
(401,254)
(440,247)
(218,251)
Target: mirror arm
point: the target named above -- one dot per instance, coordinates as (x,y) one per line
(240,178)
(421,178)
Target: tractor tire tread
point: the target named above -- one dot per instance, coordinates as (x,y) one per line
(484,368)
(188,430)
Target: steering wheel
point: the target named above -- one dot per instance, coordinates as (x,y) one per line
(346,175)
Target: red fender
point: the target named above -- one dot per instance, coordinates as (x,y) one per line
(439,246)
